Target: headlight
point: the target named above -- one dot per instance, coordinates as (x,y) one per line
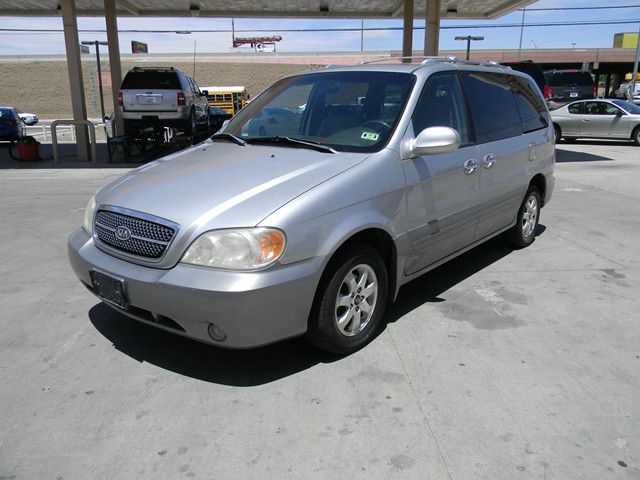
(88,215)
(237,248)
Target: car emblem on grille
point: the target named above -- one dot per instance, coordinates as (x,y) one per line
(123,233)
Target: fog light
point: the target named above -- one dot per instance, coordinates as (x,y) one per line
(217,333)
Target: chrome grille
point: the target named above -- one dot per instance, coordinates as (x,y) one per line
(146,238)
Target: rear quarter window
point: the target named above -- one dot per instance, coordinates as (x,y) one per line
(532,109)
(152,80)
(575,108)
(493,108)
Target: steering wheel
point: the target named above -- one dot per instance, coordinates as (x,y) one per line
(374,123)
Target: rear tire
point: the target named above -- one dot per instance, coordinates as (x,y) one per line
(570,139)
(339,322)
(523,233)
(190,125)
(557,132)
(131,129)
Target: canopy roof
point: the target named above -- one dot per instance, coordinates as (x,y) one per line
(272,8)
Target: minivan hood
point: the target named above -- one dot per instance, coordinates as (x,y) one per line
(223,185)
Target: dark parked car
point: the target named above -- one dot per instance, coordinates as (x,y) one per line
(564,86)
(530,68)
(217,118)
(11,126)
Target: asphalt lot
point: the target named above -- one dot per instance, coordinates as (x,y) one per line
(499,365)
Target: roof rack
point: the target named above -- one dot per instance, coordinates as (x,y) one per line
(448,59)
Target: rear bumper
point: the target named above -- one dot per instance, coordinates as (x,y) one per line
(251,308)
(179,114)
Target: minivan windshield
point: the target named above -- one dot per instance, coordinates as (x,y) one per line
(347,111)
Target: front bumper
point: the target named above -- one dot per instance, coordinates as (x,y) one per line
(251,308)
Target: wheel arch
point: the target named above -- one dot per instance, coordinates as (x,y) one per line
(376,237)
(540,183)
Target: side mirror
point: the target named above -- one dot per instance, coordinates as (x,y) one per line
(434,140)
(205,93)
(619,113)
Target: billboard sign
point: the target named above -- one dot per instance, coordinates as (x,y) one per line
(139,47)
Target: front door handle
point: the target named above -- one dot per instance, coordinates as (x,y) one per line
(489,160)
(470,166)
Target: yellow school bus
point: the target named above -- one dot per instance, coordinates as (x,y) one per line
(229,99)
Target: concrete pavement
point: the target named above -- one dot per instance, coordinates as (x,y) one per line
(499,365)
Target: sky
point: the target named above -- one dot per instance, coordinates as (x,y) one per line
(534,37)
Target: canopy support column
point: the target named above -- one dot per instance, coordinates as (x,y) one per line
(432,28)
(114,61)
(74,66)
(407,31)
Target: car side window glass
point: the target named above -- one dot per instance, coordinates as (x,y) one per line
(192,84)
(575,108)
(441,104)
(531,107)
(493,108)
(608,109)
(591,108)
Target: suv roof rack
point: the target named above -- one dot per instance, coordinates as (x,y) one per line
(150,67)
(448,59)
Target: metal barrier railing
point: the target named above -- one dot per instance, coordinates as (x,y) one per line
(54,136)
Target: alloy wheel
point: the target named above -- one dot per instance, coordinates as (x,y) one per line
(530,216)
(356,300)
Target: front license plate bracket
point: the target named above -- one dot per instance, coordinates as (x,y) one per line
(109,289)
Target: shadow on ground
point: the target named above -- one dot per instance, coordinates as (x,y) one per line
(568,156)
(245,368)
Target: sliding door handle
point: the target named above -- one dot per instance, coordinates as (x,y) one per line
(470,166)
(489,160)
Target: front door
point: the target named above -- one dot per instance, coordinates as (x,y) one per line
(443,189)
(601,119)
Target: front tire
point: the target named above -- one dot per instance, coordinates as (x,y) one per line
(635,136)
(350,301)
(557,133)
(523,233)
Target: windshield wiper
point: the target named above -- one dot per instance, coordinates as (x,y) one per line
(228,136)
(293,141)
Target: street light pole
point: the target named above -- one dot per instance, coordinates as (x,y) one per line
(524,10)
(632,89)
(97,43)
(469,39)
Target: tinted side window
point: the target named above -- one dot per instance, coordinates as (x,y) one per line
(531,107)
(493,109)
(575,108)
(600,108)
(441,104)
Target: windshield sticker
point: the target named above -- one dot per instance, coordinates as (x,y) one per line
(370,136)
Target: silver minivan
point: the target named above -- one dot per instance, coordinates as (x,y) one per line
(311,208)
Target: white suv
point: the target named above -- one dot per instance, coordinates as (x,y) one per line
(162,96)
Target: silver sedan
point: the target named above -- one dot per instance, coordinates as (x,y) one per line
(597,119)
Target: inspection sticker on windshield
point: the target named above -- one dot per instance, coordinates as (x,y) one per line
(370,136)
